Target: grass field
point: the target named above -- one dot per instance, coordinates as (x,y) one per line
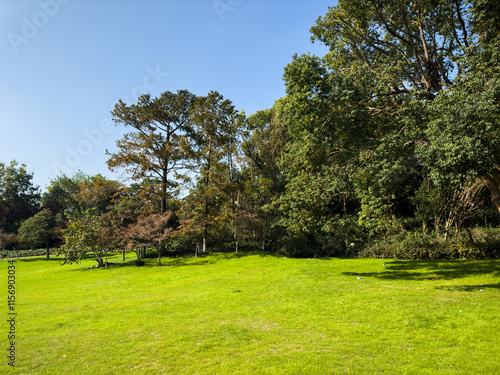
(255,314)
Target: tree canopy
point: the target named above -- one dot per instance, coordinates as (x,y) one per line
(19,197)
(392,137)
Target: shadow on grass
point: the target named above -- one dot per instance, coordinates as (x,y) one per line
(35,259)
(432,269)
(149,263)
(470,288)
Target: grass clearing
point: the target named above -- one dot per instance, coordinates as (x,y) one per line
(256,313)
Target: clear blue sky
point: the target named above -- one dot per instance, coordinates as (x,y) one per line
(65,63)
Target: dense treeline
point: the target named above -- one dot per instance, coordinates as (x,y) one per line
(386,146)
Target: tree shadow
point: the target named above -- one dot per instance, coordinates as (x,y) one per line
(432,269)
(33,259)
(184,261)
(150,263)
(470,288)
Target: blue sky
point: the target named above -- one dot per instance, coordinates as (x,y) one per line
(65,63)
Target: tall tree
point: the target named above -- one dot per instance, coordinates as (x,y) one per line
(262,180)
(99,192)
(19,197)
(81,192)
(402,93)
(431,68)
(153,149)
(62,194)
(464,134)
(214,140)
(41,229)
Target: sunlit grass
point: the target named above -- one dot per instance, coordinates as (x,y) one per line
(257,313)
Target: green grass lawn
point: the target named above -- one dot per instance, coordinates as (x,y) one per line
(255,314)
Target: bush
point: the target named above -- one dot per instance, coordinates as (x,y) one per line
(182,244)
(26,253)
(415,246)
(300,246)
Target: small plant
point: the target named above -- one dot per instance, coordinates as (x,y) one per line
(416,246)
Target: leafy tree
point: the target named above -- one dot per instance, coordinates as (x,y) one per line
(432,68)
(410,47)
(215,129)
(381,109)
(261,180)
(153,149)
(62,194)
(81,192)
(153,229)
(40,229)
(19,197)
(464,134)
(131,204)
(7,240)
(98,192)
(447,207)
(85,233)
(328,147)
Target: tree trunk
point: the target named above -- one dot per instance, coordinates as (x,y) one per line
(48,250)
(123,254)
(205,210)
(205,233)
(492,182)
(163,206)
(264,233)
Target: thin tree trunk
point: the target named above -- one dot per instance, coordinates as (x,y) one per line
(205,233)
(48,250)
(235,235)
(163,204)
(264,233)
(205,209)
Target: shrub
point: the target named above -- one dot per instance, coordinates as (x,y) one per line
(300,246)
(415,246)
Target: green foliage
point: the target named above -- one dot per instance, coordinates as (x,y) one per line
(447,207)
(155,149)
(41,228)
(416,246)
(83,235)
(214,140)
(62,194)
(19,197)
(81,192)
(395,129)
(262,180)
(397,124)
(300,246)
